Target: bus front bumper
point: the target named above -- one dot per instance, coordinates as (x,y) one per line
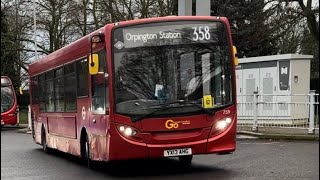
(9,120)
(121,148)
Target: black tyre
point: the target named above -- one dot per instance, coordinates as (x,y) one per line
(85,152)
(186,160)
(45,148)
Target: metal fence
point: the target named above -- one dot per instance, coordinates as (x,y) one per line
(297,111)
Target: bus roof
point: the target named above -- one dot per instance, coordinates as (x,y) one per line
(77,49)
(81,47)
(5,80)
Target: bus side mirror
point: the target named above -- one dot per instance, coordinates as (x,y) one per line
(93,64)
(234,35)
(235,56)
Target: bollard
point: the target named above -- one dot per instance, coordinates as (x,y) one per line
(311,111)
(255,111)
(29,117)
(18,115)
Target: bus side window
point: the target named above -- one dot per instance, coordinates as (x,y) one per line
(70,87)
(42,90)
(59,97)
(100,89)
(49,91)
(35,90)
(82,78)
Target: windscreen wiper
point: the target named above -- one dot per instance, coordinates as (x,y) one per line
(166,106)
(207,111)
(137,118)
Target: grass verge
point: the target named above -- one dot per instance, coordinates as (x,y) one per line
(23,117)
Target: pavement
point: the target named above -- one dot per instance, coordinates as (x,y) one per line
(21,128)
(280,133)
(244,133)
(274,136)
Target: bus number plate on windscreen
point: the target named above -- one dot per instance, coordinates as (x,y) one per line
(177,152)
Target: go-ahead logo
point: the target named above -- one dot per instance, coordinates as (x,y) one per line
(169,124)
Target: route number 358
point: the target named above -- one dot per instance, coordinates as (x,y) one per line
(201,33)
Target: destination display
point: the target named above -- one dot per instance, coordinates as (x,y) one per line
(168,33)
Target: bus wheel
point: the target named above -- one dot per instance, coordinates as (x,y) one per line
(185,160)
(44,141)
(85,151)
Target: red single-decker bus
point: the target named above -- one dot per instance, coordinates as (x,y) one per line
(147,88)
(9,103)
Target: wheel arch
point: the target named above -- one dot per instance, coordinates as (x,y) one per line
(83,134)
(43,130)
(83,138)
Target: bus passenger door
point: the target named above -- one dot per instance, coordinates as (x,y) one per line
(99,105)
(99,115)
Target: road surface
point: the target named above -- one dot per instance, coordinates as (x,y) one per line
(254,159)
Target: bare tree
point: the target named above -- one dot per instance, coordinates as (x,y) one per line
(165,8)
(81,16)
(296,25)
(56,22)
(13,49)
(311,13)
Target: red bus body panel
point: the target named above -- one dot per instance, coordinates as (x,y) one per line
(106,142)
(10,116)
(156,140)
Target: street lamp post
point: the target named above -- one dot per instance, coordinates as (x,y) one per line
(35,29)
(35,53)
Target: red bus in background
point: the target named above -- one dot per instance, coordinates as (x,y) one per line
(9,104)
(147,88)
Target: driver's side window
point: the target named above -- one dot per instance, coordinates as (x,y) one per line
(100,88)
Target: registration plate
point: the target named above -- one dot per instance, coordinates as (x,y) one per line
(177,152)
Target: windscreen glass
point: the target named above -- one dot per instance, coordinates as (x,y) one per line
(6,98)
(165,62)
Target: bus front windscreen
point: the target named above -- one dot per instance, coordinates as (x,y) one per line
(6,98)
(158,64)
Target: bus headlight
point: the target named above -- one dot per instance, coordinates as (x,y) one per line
(222,124)
(122,128)
(228,120)
(129,132)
